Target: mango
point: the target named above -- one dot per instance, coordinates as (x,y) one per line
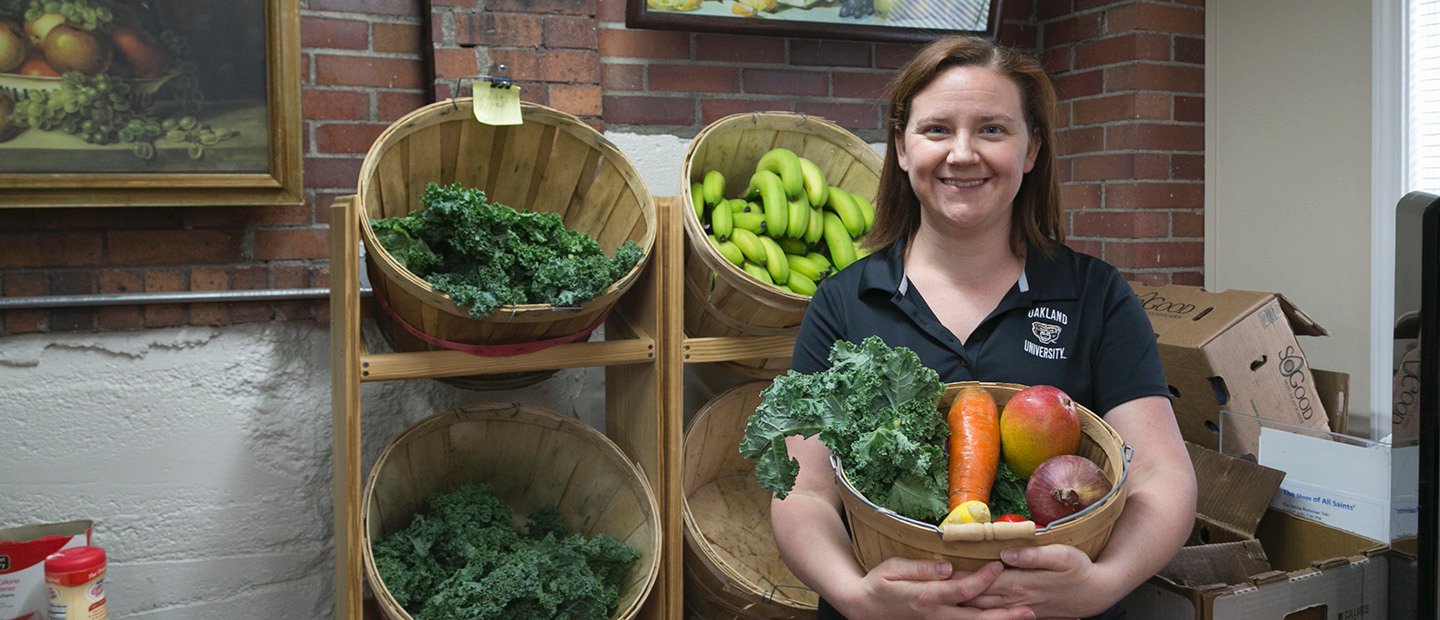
(1039,422)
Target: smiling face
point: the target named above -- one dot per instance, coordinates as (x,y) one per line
(966,149)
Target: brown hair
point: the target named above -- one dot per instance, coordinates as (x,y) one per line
(1035,220)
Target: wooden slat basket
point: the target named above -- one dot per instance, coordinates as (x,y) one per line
(732,568)
(878,534)
(720,298)
(552,162)
(530,457)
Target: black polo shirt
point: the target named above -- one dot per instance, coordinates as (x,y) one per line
(1070,321)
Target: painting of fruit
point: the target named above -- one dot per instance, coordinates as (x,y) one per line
(117,86)
(872,20)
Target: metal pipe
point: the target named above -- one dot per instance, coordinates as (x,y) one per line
(178,297)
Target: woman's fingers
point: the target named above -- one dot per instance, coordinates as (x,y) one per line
(901,569)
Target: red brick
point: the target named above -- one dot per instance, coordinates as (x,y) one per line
(852,116)
(610,10)
(1153,254)
(1188,278)
(1155,18)
(780,82)
(1131,225)
(251,312)
(1018,35)
(378,7)
(353,138)
(894,55)
(332,171)
(120,281)
(209,314)
(712,110)
(328,33)
(1155,137)
(650,110)
(1086,246)
(830,53)
(1047,10)
(1076,85)
(1187,167)
(173,247)
(1190,109)
(367,71)
(655,44)
(394,105)
(118,318)
(693,79)
(1189,50)
(739,48)
(320,277)
(1018,9)
(280,215)
(290,276)
(456,3)
(451,63)
(72,319)
(24,321)
(1126,107)
(1123,166)
(498,29)
(50,249)
(291,244)
(1154,278)
(1123,48)
(72,220)
(164,315)
(861,84)
(72,283)
(571,32)
(249,277)
(564,7)
(209,279)
(1144,76)
(1187,225)
(398,39)
(1080,196)
(1058,59)
(615,77)
(1154,195)
(577,100)
(165,280)
(1074,141)
(347,105)
(1071,29)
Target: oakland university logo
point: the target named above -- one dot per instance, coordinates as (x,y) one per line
(1047,332)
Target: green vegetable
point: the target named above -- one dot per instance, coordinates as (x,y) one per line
(485,255)
(875,407)
(463,561)
(1008,494)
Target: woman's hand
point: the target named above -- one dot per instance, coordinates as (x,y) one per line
(1055,580)
(923,589)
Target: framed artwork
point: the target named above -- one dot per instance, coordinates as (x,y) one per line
(866,20)
(149,103)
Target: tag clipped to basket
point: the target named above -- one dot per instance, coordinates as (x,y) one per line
(496,99)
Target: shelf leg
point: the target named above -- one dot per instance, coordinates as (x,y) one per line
(345,405)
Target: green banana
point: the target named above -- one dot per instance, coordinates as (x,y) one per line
(820,260)
(860,250)
(803,266)
(697,200)
(750,246)
(775,262)
(738,205)
(772,195)
(815,227)
(729,250)
(800,284)
(799,219)
(837,239)
(753,222)
(714,187)
(867,210)
(814,179)
(793,246)
(785,164)
(721,222)
(757,272)
(843,204)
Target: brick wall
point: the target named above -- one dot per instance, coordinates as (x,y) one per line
(1130,75)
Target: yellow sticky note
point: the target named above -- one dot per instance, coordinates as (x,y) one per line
(495,105)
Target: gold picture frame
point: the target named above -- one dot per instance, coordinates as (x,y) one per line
(906,21)
(215,121)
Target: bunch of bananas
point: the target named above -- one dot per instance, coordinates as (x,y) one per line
(789,228)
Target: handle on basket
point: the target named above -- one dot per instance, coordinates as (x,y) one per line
(980,532)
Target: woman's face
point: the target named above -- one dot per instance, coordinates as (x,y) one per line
(966,149)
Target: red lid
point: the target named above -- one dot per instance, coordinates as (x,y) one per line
(75,560)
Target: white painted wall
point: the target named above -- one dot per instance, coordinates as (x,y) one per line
(1288,167)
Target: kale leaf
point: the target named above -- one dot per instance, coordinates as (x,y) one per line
(462,560)
(485,255)
(875,407)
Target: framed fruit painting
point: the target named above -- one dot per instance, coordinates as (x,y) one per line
(865,20)
(149,103)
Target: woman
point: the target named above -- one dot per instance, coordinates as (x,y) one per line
(969,271)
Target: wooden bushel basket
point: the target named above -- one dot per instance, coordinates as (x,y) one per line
(732,568)
(552,162)
(720,298)
(878,534)
(530,457)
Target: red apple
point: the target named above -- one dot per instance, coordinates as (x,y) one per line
(141,50)
(1037,423)
(14,45)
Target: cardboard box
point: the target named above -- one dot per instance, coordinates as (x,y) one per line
(1232,349)
(22,565)
(1244,561)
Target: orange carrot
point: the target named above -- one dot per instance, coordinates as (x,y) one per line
(974,446)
